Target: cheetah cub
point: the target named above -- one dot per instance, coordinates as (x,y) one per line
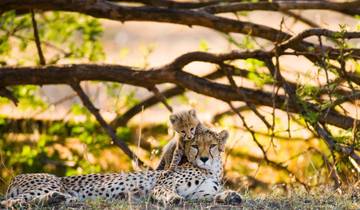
(185,123)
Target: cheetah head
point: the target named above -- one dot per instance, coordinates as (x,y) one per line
(185,123)
(206,148)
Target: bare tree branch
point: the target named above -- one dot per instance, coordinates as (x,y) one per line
(37,39)
(60,74)
(350,8)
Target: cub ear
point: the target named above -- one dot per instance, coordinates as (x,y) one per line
(173,118)
(223,135)
(192,112)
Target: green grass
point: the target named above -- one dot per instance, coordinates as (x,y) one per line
(321,198)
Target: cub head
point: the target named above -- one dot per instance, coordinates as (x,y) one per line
(206,148)
(185,123)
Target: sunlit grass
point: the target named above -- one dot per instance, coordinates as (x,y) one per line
(318,198)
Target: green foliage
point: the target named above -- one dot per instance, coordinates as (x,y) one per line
(124,133)
(79,110)
(253,64)
(356,65)
(203,45)
(260,79)
(130,99)
(113,89)
(246,43)
(307,92)
(80,32)
(311,116)
(56,149)
(10,25)
(339,39)
(29,97)
(70,35)
(4,44)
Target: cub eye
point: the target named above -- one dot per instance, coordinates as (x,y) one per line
(194,146)
(213,145)
(183,132)
(192,129)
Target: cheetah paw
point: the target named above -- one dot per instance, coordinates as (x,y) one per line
(55,198)
(175,200)
(10,203)
(229,197)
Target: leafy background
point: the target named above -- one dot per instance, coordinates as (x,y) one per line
(50,131)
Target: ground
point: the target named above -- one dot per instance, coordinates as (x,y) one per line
(322,198)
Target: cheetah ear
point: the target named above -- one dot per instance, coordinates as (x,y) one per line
(192,112)
(223,135)
(173,119)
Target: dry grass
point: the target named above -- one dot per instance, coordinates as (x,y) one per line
(321,198)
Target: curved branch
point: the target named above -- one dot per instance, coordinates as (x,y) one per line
(63,74)
(350,8)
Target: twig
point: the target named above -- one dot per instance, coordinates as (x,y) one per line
(331,168)
(220,115)
(341,100)
(250,130)
(110,131)
(301,18)
(249,104)
(37,39)
(161,97)
(60,101)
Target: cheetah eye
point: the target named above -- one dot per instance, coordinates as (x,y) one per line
(213,145)
(192,129)
(194,146)
(183,132)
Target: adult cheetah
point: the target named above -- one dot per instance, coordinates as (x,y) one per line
(198,179)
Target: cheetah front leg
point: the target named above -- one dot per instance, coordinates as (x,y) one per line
(32,198)
(178,154)
(166,196)
(228,197)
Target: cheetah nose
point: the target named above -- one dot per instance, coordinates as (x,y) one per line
(189,137)
(204,159)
